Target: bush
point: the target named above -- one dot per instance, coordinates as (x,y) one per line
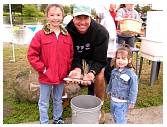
(30,10)
(5,13)
(40,14)
(17,14)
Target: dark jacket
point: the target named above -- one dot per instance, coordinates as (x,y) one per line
(55,55)
(91,46)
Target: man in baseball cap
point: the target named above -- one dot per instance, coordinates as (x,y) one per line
(81,10)
(90,44)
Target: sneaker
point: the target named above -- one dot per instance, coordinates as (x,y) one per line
(59,121)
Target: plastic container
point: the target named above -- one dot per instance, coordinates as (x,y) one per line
(85,109)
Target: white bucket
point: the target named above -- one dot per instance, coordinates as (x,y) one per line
(85,109)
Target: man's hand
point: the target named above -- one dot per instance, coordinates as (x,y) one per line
(88,78)
(75,75)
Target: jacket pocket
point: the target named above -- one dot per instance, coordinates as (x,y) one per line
(63,70)
(47,50)
(67,50)
(67,42)
(124,82)
(46,42)
(50,75)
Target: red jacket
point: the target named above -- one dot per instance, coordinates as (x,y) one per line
(55,55)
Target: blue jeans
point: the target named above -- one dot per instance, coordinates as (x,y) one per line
(128,40)
(119,111)
(43,103)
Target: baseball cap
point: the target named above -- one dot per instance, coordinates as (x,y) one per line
(81,10)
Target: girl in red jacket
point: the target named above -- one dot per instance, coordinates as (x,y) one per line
(50,53)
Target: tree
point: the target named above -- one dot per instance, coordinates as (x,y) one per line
(146,8)
(93,12)
(6,8)
(137,8)
(43,7)
(14,7)
(67,9)
(30,10)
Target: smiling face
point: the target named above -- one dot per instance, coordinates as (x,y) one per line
(82,23)
(55,16)
(122,59)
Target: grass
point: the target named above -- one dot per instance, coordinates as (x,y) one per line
(20,112)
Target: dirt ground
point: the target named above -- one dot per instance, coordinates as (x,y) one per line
(150,115)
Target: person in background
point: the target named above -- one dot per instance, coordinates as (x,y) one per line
(108,22)
(122,6)
(113,13)
(123,85)
(126,12)
(90,44)
(49,49)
